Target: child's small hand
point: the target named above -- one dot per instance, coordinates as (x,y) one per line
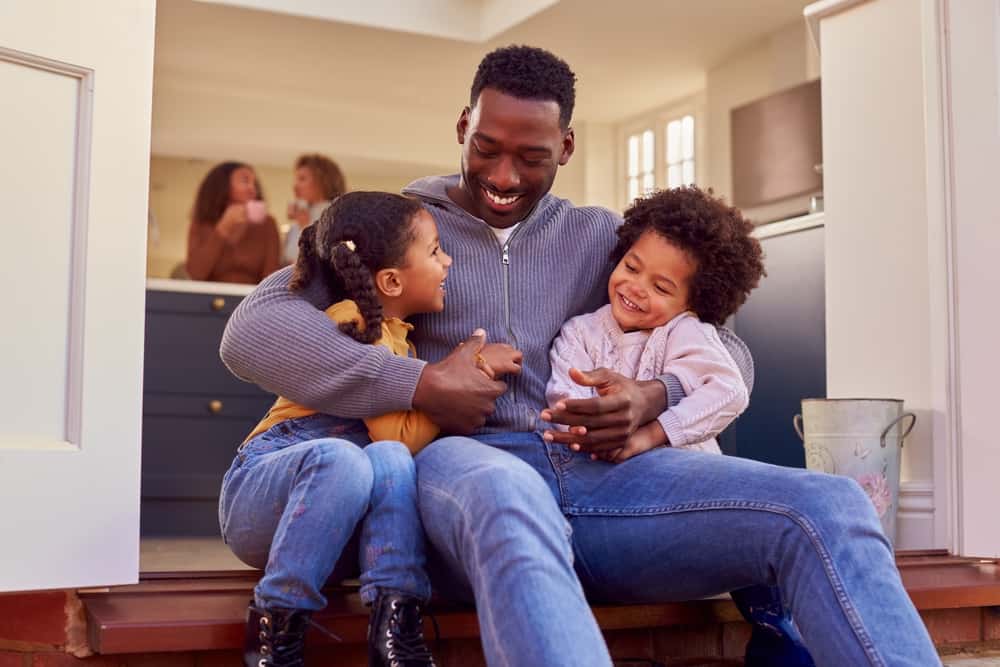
(501,359)
(485,367)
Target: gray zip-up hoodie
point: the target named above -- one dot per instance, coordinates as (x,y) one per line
(554,266)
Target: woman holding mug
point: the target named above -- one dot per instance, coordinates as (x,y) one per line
(232,238)
(318,181)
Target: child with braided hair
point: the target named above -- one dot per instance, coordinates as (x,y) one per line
(326,478)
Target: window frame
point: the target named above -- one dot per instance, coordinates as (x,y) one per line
(657,119)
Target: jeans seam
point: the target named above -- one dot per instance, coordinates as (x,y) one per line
(804,523)
(558,471)
(466,519)
(578,558)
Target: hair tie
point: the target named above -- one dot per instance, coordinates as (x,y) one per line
(349,244)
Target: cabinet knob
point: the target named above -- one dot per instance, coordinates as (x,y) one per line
(215,407)
(218,303)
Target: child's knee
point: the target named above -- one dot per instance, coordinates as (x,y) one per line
(335,458)
(391,459)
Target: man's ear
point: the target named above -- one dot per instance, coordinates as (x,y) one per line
(388,282)
(568,144)
(463,124)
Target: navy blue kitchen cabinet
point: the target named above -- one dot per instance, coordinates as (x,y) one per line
(195,412)
(783,323)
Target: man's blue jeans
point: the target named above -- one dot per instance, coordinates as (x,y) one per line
(521,524)
(296,494)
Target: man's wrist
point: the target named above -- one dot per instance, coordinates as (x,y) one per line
(423,388)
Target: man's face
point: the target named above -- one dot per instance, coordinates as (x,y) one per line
(511,149)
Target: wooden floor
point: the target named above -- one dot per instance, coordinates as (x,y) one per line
(187,554)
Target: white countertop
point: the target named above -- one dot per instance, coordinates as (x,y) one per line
(198,287)
(788,226)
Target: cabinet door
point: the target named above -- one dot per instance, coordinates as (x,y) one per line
(188,443)
(76,91)
(784,324)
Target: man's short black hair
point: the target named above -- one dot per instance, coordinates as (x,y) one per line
(527,73)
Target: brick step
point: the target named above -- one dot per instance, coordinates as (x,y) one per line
(196,619)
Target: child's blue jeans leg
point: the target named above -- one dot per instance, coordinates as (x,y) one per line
(290,509)
(392,537)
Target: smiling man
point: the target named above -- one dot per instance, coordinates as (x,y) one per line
(516,519)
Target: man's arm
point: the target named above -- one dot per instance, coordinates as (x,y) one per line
(284,342)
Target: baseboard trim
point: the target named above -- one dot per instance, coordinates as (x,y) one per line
(915,518)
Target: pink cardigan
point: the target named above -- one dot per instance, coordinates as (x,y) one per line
(685,347)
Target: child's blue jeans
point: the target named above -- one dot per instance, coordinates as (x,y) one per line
(296,494)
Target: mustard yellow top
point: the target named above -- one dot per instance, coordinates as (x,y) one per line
(411,427)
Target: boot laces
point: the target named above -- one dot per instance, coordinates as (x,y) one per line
(404,642)
(283,647)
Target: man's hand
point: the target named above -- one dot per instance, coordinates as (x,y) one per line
(606,421)
(455,392)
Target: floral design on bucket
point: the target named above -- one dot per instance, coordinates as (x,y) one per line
(877,488)
(818,458)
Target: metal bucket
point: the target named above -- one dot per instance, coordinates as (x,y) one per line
(861,438)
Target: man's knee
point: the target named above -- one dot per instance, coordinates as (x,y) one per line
(482,482)
(835,503)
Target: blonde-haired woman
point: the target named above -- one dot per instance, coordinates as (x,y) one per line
(318,181)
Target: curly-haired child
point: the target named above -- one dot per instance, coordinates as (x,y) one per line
(685,262)
(304,482)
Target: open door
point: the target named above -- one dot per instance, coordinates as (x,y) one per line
(75,104)
(972,100)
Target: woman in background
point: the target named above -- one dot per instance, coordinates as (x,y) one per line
(318,181)
(232,238)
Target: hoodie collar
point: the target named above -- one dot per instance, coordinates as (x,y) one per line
(435,189)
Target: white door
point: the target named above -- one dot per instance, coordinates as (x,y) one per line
(973,105)
(75,101)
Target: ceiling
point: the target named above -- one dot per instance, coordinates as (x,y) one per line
(264,86)
(464,20)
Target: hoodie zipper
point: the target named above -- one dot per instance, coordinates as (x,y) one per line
(505,264)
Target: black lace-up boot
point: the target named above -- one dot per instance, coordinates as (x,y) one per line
(396,633)
(274,637)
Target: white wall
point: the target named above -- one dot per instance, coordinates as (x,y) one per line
(878,304)
(783,59)
(598,159)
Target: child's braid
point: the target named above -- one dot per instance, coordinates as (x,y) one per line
(359,287)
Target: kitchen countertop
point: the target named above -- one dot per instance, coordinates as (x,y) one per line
(197,287)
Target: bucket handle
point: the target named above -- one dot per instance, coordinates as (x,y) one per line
(797,425)
(913,422)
